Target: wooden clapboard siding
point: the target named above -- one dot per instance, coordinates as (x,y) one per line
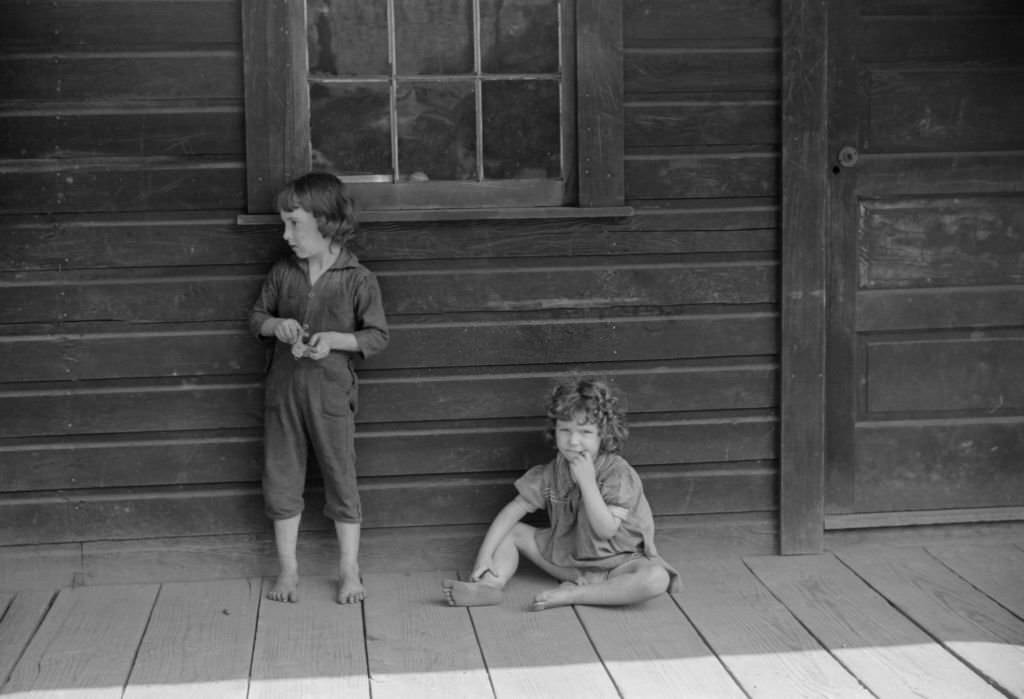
(58,355)
(123,132)
(133,106)
(225,404)
(227,456)
(132,392)
(702,115)
(111,241)
(665,23)
(121,184)
(408,501)
(154,24)
(122,76)
(694,123)
(676,71)
(702,175)
(159,297)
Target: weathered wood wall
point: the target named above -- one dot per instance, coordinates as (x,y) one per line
(131,394)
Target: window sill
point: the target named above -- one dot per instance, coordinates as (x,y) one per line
(421,215)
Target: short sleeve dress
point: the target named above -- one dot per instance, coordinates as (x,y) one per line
(571,541)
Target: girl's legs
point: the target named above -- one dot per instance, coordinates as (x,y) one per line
(488,590)
(286,536)
(634,581)
(350,584)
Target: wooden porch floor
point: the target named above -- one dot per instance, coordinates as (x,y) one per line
(934,621)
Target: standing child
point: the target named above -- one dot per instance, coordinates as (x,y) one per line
(323,308)
(600,543)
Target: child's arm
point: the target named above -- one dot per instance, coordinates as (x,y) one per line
(371,334)
(604,520)
(286,330)
(499,529)
(322,343)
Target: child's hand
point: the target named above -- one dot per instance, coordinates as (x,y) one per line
(581,466)
(300,349)
(481,569)
(319,346)
(288,330)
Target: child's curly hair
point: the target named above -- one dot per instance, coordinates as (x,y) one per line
(324,196)
(597,401)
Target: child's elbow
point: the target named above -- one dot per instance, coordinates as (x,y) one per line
(607,533)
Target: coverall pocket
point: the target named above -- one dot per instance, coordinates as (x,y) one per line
(338,387)
(338,403)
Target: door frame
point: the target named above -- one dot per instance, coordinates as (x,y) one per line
(804,275)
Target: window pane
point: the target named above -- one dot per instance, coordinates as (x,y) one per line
(347,37)
(519,36)
(350,128)
(521,129)
(434,38)
(437,131)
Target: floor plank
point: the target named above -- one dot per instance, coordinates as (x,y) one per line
(313,648)
(20,615)
(198,642)
(951,610)
(538,654)
(650,647)
(996,570)
(418,646)
(884,649)
(86,643)
(764,647)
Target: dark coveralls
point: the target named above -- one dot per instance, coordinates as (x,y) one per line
(312,403)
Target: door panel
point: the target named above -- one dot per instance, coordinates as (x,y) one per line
(925,385)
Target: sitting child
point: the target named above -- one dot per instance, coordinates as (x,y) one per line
(600,543)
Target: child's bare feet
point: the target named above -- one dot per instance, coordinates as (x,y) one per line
(286,588)
(471,594)
(350,588)
(561,596)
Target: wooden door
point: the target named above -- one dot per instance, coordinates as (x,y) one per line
(925,337)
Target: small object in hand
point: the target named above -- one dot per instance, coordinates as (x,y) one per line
(300,349)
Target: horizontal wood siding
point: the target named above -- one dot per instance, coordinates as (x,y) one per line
(121,106)
(132,393)
(702,132)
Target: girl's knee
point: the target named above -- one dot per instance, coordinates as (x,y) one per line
(522,535)
(656,580)
(651,580)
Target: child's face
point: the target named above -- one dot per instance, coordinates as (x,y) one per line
(303,234)
(577,436)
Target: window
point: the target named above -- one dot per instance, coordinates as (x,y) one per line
(437,104)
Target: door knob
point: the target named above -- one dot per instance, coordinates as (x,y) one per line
(848,156)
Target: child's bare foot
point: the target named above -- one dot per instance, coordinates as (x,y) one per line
(471,594)
(285,589)
(350,588)
(561,596)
